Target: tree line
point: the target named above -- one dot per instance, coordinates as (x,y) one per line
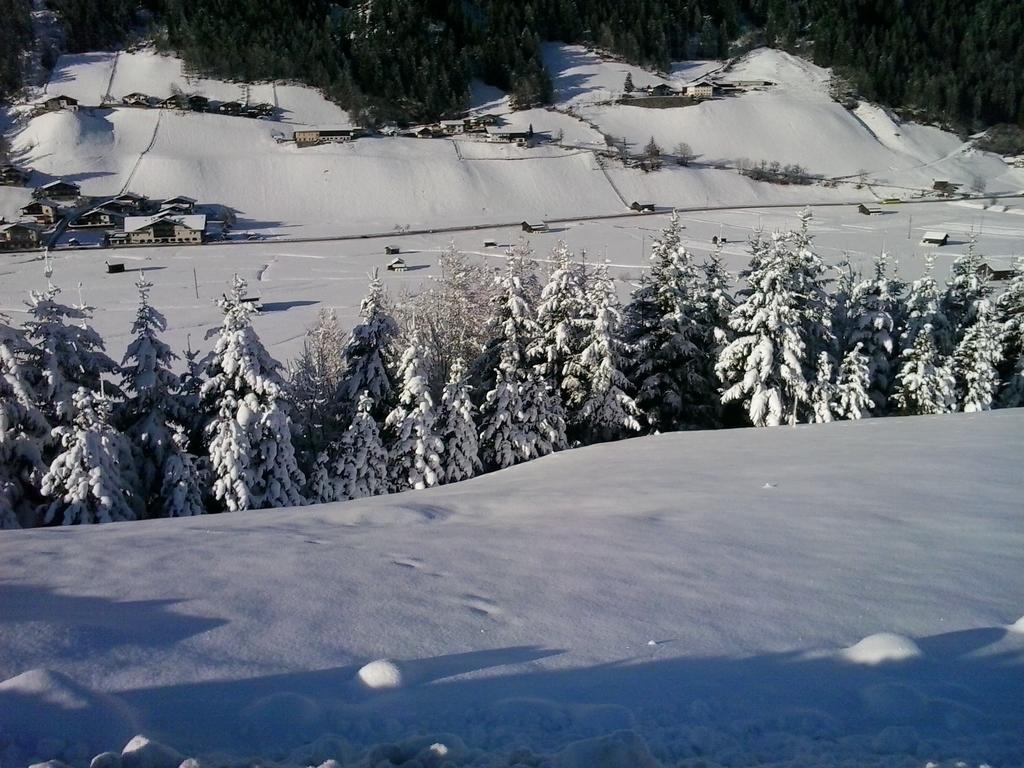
(427,390)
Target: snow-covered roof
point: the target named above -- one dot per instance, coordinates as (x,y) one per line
(935,236)
(179,199)
(194,221)
(59,182)
(6,226)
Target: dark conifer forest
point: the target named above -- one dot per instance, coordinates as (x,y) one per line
(960,62)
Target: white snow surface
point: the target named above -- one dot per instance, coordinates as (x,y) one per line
(519,608)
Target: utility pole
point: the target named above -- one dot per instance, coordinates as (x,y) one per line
(195,281)
(910,223)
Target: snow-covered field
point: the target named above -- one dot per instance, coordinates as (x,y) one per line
(830,595)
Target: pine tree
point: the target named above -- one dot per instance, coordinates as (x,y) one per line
(1010,309)
(180,491)
(416,447)
(606,411)
(872,325)
(976,361)
(367,352)
(561,307)
(782,325)
(664,332)
(361,469)
(150,395)
(315,382)
(250,442)
(65,356)
(628,86)
(85,481)
(823,391)
(321,487)
(23,431)
(853,399)
(925,383)
(967,289)
(457,427)
(715,305)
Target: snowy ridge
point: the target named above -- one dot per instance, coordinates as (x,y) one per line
(659,600)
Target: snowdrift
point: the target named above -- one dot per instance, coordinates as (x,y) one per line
(838,594)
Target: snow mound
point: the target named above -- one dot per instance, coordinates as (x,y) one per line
(882,648)
(623,749)
(142,752)
(282,718)
(1017,626)
(381,675)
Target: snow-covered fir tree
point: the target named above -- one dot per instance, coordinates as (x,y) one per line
(1010,314)
(668,369)
(966,290)
(716,303)
(86,482)
(925,383)
(559,313)
(871,325)
(367,353)
(782,325)
(520,417)
(195,412)
(823,391)
(23,432)
(66,353)
(150,388)
(416,445)
(361,468)
(250,440)
(606,412)
(977,359)
(457,427)
(852,396)
(180,492)
(315,385)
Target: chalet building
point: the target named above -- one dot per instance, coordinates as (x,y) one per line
(945,187)
(232,108)
(310,137)
(997,273)
(18,235)
(257,110)
(536,226)
(44,212)
(479,123)
(58,190)
(642,207)
(453,127)
(128,201)
(57,103)
(136,100)
(101,217)
(181,203)
(662,90)
(198,103)
(13,176)
(426,132)
(509,136)
(161,229)
(935,238)
(175,101)
(701,90)
(397,265)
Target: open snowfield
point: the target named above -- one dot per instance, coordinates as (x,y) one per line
(830,595)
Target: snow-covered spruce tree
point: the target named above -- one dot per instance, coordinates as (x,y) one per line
(23,432)
(520,417)
(368,350)
(782,324)
(180,492)
(85,481)
(668,367)
(315,383)
(250,440)
(66,353)
(150,388)
(195,413)
(1010,315)
(966,290)
(852,396)
(925,383)
(416,446)
(976,361)
(607,412)
(457,427)
(361,468)
(871,325)
(823,391)
(559,313)
(716,304)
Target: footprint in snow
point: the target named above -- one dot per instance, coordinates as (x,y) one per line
(481,605)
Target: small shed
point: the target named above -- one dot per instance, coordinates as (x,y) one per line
(490,243)
(998,273)
(535,226)
(642,207)
(935,238)
(397,265)
(391,250)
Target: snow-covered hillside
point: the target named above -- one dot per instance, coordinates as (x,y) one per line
(834,595)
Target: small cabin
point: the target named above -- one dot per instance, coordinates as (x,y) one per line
(198,103)
(175,101)
(13,176)
(57,103)
(490,243)
(996,273)
(662,90)
(535,226)
(391,250)
(397,265)
(114,269)
(136,99)
(230,108)
(945,187)
(935,238)
(642,207)
(58,190)
(863,209)
(128,200)
(100,217)
(180,203)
